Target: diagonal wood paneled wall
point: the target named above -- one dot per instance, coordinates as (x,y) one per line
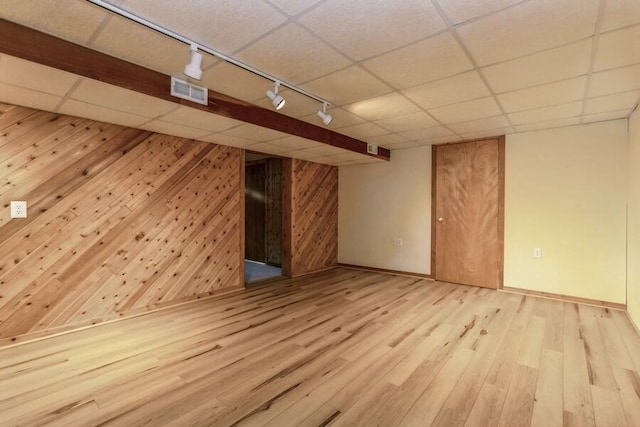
(311,224)
(120,220)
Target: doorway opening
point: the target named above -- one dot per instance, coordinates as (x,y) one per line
(263,217)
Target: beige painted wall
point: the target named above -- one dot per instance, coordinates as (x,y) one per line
(566,193)
(633,256)
(385,201)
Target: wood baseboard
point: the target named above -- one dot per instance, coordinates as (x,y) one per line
(385,270)
(567,298)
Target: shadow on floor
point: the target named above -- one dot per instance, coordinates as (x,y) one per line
(255,271)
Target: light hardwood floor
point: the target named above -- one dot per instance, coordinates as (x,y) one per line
(342,347)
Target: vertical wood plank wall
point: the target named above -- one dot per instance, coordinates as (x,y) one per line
(120,221)
(273,214)
(311,216)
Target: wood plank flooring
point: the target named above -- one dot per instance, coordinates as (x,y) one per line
(342,347)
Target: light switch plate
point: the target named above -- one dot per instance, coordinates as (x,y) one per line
(18,209)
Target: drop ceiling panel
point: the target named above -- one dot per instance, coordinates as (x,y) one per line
(324,150)
(28,75)
(384,140)
(614,81)
(601,117)
(386,26)
(408,122)
(545,67)
(459,11)
(351,156)
(620,101)
(548,124)
(75,20)
(460,88)
(341,118)
(292,142)
(544,96)
(215,23)
(571,109)
(102,114)
(480,125)
(199,119)
(620,13)
(488,133)
(294,55)
(117,98)
(529,27)
(466,111)
(265,147)
(393,104)
(256,133)
(437,57)
(362,130)
(294,7)
(174,129)
(347,86)
(229,140)
(235,81)
(28,98)
(426,135)
(401,145)
(618,49)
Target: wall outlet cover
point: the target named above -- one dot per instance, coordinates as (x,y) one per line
(18,209)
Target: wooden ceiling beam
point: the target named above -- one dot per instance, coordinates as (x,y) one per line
(35,46)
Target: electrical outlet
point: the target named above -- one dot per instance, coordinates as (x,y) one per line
(18,209)
(399,241)
(537,253)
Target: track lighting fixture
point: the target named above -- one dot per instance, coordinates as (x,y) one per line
(326,117)
(277,100)
(192,69)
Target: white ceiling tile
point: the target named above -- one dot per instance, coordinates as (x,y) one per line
(488,133)
(448,91)
(619,101)
(300,154)
(602,117)
(393,104)
(229,140)
(75,20)
(29,75)
(219,24)
(234,81)
(620,13)
(350,155)
(401,145)
(292,54)
(256,133)
(480,125)
(199,119)
(613,81)
(134,43)
(28,98)
(529,27)
(545,95)
(265,147)
(341,118)
(382,140)
(571,109)
(548,124)
(427,134)
(117,98)
(388,25)
(437,57)
(408,122)
(174,129)
(544,67)
(466,111)
(325,150)
(293,142)
(294,7)
(459,11)
(95,112)
(347,86)
(618,48)
(362,130)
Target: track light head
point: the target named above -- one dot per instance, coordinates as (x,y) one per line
(326,117)
(277,100)
(193,69)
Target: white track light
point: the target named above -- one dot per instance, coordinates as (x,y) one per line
(192,69)
(326,117)
(277,100)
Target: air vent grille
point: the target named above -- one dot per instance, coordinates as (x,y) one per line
(184,90)
(372,149)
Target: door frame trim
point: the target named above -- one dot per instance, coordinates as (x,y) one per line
(501,184)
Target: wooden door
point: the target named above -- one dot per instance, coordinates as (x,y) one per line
(468,213)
